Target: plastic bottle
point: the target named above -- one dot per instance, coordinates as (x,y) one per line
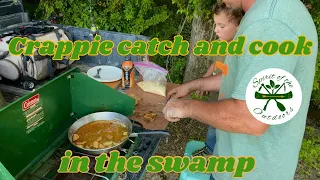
(127,74)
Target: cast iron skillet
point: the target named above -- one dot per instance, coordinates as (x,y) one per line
(108,116)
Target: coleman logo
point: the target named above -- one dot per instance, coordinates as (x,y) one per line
(273,96)
(30,102)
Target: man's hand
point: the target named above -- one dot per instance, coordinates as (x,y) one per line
(175,110)
(180,91)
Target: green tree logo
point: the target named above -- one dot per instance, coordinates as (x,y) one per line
(274,88)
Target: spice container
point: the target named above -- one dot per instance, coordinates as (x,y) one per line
(127,74)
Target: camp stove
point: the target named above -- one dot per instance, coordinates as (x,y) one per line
(135,146)
(34,128)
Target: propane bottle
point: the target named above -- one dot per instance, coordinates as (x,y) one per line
(127,74)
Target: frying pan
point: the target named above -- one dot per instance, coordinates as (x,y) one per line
(108,116)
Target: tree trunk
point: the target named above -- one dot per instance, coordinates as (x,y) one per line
(2,102)
(197,66)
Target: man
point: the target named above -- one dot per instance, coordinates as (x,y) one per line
(274,147)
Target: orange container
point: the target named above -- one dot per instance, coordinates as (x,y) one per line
(127,74)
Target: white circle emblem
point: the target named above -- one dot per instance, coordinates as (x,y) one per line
(273,96)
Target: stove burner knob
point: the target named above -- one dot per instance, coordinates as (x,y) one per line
(28,85)
(122,176)
(135,153)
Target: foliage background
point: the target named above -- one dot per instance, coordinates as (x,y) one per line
(153,18)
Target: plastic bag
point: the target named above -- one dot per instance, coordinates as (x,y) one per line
(154,77)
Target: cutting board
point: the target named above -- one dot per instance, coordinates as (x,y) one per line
(150,102)
(114,84)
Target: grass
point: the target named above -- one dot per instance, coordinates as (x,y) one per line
(309,159)
(181,133)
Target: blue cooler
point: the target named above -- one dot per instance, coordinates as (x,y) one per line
(186,174)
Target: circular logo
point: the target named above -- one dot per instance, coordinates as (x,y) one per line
(273,96)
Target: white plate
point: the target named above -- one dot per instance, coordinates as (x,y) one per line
(107,73)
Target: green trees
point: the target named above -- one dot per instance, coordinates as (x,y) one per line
(202,28)
(128,16)
(157,18)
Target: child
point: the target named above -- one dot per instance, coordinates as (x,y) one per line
(227,21)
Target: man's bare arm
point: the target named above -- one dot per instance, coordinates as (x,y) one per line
(211,83)
(229,115)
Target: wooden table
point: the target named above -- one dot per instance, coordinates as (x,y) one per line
(114,84)
(150,102)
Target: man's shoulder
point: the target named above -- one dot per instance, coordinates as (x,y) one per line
(281,13)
